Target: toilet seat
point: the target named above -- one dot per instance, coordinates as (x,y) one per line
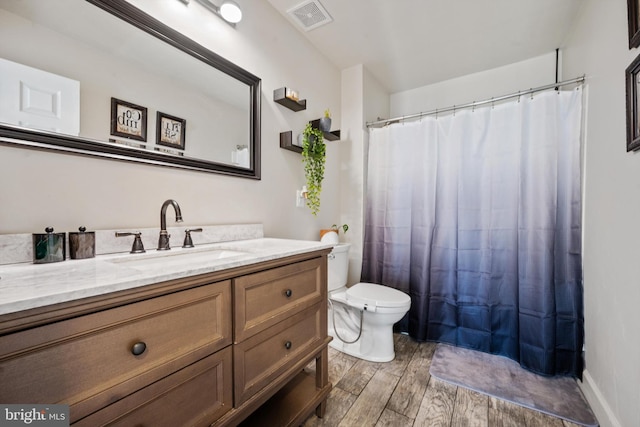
(373,297)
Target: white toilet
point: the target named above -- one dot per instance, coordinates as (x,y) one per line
(379,306)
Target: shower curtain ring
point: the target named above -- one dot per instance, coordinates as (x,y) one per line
(518,97)
(473,107)
(531,90)
(492,103)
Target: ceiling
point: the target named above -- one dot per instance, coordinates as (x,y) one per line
(411,43)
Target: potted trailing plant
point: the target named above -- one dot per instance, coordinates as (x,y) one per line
(313,157)
(330,235)
(337,229)
(325,122)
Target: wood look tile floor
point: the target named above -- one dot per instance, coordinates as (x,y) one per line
(401,393)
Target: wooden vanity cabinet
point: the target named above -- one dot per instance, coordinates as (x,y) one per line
(89,361)
(193,396)
(265,298)
(280,326)
(205,350)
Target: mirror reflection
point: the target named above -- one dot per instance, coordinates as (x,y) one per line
(106,86)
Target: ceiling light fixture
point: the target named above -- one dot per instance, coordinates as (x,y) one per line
(229,10)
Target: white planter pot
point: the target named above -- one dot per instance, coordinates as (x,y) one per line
(330,237)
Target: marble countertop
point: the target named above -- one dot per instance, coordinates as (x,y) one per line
(25,286)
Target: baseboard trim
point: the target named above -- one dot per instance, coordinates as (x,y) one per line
(599,404)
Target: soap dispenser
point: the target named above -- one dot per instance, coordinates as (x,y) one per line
(49,247)
(82,244)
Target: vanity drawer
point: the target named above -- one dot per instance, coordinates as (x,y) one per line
(194,396)
(265,298)
(262,358)
(88,361)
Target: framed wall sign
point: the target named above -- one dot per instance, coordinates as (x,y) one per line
(633,16)
(170,131)
(128,120)
(632,77)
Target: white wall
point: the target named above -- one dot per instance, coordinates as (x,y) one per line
(534,72)
(41,188)
(363,100)
(598,47)
(351,166)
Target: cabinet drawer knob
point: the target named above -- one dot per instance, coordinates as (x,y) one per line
(288,293)
(138,348)
(287,345)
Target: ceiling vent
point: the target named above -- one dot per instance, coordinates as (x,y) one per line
(310,14)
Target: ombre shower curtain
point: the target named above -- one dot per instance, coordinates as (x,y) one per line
(477,216)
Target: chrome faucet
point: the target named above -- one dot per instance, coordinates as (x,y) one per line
(163,241)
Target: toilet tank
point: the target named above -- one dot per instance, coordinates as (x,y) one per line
(338,266)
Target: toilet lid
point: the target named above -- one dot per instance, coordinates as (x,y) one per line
(378,295)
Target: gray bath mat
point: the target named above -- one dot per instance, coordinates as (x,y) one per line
(503,378)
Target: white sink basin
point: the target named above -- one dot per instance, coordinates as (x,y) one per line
(177,258)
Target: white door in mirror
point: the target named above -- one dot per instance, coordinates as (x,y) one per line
(38,99)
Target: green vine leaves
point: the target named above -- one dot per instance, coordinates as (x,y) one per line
(313,157)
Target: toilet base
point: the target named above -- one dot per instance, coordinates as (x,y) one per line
(353,351)
(374,347)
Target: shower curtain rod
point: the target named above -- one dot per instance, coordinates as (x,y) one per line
(385,122)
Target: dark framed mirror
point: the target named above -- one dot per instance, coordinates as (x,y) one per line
(632,78)
(124,69)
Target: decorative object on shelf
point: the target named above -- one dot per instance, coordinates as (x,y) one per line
(292,94)
(632,75)
(128,120)
(288,143)
(633,16)
(313,157)
(170,131)
(329,136)
(331,235)
(325,121)
(289,98)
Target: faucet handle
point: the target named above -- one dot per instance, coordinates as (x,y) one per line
(137,247)
(188,242)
